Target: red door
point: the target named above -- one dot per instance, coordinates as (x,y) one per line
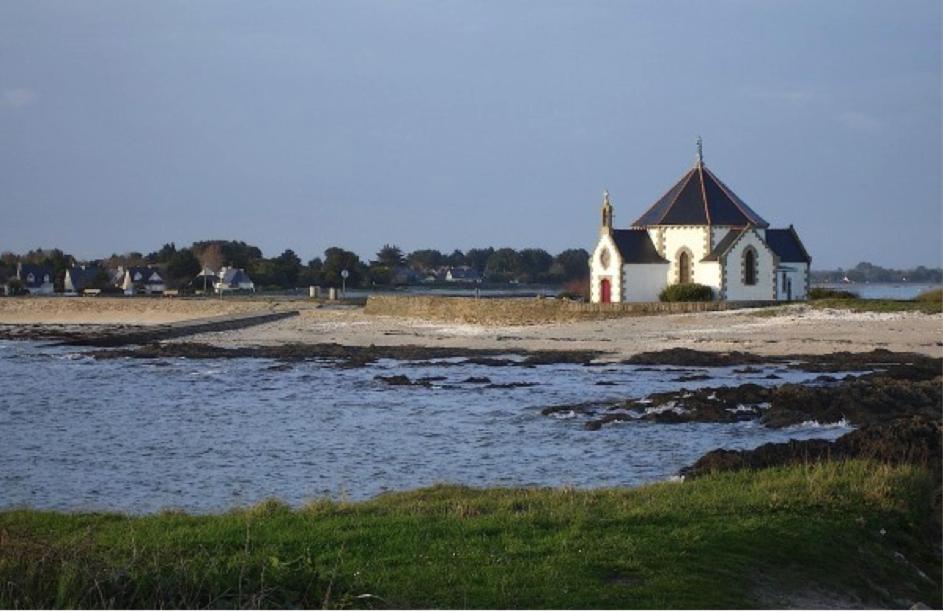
(605,291)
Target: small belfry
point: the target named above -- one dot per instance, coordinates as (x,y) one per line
(607,211)
(698,232)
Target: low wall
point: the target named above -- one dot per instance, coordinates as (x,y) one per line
(530,311)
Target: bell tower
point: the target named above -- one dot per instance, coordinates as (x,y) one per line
(607,210)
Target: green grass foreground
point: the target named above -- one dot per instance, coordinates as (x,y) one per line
(809,534)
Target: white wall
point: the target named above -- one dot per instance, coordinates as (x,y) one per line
(696,240)
(764,288)
(644,281)
(797,274)
(613,272)
(708,273)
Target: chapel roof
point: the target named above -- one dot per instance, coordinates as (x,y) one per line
(787,245)
(700,198)
(636,246)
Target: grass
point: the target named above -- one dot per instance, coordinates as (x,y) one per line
(880,305)
(733,540)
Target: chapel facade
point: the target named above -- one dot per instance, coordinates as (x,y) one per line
(700,232)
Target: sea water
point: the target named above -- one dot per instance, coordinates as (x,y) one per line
(139,435)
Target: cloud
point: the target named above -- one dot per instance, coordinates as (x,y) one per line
(17,98)
(860,122)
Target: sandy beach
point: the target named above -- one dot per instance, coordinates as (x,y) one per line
(797,329)
(801,330)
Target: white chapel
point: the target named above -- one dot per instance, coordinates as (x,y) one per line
(698,232)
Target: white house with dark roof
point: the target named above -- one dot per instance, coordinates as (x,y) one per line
(234,279)
(700,232)
(137,280)
(37,279)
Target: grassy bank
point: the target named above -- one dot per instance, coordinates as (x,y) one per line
(802,535)
(880,305)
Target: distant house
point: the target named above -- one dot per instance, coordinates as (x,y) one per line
(140,280)
(234,279)
(37,279)
(79,277)
(462,273)
(205,281)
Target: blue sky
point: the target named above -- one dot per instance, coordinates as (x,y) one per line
(459,124)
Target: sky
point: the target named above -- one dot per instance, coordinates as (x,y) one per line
(304,125)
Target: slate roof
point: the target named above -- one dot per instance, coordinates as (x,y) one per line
(234,277)
(146,273)
(787,246)
(700,198)
(464,272)
(636,246)
(82,276)
(23,270)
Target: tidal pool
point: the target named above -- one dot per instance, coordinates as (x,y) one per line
(206,435)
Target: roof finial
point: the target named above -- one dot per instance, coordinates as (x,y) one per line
(605,196)
(700,151)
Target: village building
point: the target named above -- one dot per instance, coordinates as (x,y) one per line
(700,232)
(36,279)
(139,280)
(234,279)
(462,273)
(205,281)
(78,278)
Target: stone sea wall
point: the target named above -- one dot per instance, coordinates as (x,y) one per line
(525,311)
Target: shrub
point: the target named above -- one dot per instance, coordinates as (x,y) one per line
(824,293)
(931,296)
(686,292)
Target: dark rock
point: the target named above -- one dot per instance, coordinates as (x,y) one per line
(911,439)
(477,380)
(748,370)
(399,380)
(697,377)
(860,401)
(512,385)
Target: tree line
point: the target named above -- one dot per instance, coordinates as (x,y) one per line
(868,272)
(390,266)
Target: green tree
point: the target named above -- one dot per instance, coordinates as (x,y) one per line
(312,274)
(477,258)
(571,264)
(390,256)
(425,259)
(535,264)
(337,259)
(233,253)
(289,268)
(164,255)
(182,267)
(503,265)
(456,259)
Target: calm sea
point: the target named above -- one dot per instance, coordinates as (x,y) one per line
(205,435)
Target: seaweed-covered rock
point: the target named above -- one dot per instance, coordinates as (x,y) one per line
(860,401)
(912,439)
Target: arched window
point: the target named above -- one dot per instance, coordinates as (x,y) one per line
(684,267)
(749,266)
